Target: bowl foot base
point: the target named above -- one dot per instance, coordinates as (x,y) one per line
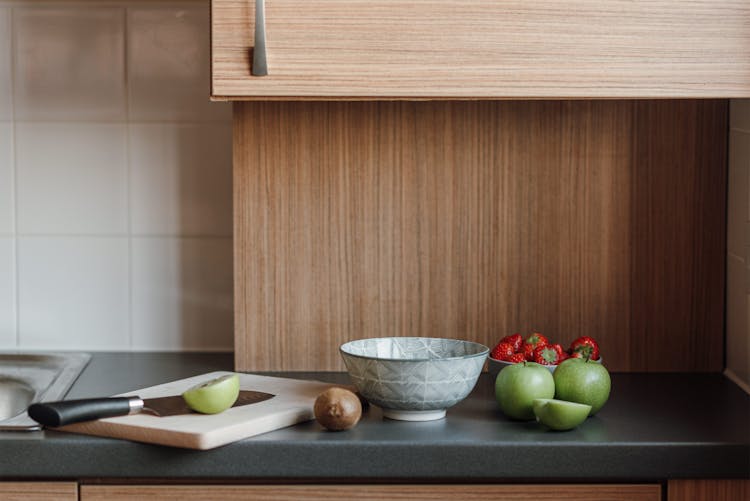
(402,415)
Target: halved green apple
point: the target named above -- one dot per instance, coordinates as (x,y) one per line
(214,396)
(559,414)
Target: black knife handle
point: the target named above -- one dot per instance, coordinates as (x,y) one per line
(73,411)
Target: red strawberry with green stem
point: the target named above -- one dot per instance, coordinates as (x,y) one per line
(537,339)
(514,339)
(531,343)
(585,347)
(502,351)
(548,355)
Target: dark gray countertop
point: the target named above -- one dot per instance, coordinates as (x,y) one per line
(654,427)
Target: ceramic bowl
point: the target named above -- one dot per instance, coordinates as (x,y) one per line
(494,366)
(414,378)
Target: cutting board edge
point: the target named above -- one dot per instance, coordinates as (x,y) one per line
(187,440)
(104,429)
(212,440)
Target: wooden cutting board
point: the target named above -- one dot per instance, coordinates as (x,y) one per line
(292,404)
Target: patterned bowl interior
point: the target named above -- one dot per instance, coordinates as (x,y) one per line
(413,348)
(414,373)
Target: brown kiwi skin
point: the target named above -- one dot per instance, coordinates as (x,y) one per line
(337,409)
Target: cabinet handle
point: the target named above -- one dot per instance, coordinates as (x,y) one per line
(260,63)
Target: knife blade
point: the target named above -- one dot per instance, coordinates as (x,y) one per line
(65,412)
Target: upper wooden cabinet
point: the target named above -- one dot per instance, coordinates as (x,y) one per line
(383,49)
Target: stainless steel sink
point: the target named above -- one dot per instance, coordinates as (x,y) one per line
(26,378)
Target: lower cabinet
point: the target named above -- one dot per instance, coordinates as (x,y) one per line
(675,490)
(38,491)
(603,492)
(708,490)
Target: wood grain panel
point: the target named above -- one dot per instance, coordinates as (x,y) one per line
(372,492)
(485,49)
(678,197)
(38,491)
(474,220)
(708,490)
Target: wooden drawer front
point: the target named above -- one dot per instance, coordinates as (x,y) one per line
(708,490)
(485,48)
(38,491)
(372,492)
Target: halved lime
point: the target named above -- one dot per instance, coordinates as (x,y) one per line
(214,396)
(560,414)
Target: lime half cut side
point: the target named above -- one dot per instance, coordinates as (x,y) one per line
(214,396)
(559,414)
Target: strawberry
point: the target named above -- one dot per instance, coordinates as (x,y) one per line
(528,352)
(516,358)
(514,339)
(547,355)
(537,339)
(584,347)
(502,351)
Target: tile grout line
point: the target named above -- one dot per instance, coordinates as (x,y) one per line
(14,172)
(118,235)
(128,168)
(191,122)
(108,3)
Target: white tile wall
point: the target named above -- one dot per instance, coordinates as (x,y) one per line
(73,292)
(7,242)
(6,110)
(182,293)
(6,178)
(69,62)
(7,292)
(181,179)
(164,82)
(115,178)
(72,178)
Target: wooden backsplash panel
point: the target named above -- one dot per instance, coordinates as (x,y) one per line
(678,235)
(478,219)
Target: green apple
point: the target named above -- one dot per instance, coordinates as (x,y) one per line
(518,385)
(214,396)
(584,382)
(559,414)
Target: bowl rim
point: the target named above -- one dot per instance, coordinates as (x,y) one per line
(483,353)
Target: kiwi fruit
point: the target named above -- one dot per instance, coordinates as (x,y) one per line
(337,409)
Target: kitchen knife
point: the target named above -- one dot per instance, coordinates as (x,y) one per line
(73,411)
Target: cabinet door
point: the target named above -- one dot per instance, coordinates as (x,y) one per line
(38,491)
(371,492)
(380,49)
